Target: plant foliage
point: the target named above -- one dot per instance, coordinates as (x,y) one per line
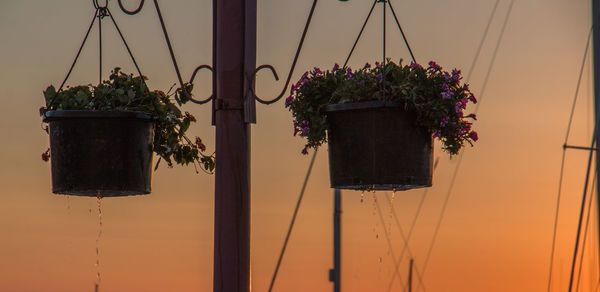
(123,92)
(437,96)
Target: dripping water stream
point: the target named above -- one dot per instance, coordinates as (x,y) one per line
(97,264)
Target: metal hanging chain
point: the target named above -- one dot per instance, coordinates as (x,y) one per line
(385,4)
(360,33)
(75,60)
(401,31)
(289,77)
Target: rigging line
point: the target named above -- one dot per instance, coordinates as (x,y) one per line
(412,226)
(100,48)
(562,164)
(587,178)
(360,33)
(402,31)
(481,42)
(586,228)
(487,75)
(75,60)
(289,232)
(460,156)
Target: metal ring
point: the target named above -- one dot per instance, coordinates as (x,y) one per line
(97,5)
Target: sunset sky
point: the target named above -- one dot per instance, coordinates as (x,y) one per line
(495,235)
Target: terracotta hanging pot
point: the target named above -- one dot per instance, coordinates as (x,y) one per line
(376,145)
(100,151)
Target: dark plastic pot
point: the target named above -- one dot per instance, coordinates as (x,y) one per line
(100,151)
(375,145)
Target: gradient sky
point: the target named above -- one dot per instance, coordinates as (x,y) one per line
(497,229)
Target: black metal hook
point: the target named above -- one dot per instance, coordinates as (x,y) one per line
(188,95)
(131,12)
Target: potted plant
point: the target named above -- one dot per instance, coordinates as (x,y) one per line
(102,137)
(379,122)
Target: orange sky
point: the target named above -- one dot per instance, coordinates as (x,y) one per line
(497,230)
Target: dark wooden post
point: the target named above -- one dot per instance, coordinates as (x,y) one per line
(234,54)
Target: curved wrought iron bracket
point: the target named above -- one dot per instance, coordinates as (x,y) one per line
(287,81)
(189,96)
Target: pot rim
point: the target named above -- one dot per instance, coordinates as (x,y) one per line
(361,105)
(54,115)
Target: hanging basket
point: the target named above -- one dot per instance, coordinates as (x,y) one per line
(106,152)
(375,145)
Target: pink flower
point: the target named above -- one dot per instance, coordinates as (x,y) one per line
(414,65)
(474,136)
(472,98)
(445,87)
(436,134)
(367,65)
(472,116)
(377,64)
(349,73)
(335,67)
(434,66)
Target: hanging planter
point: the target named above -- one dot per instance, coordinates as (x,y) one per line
(100,151)
(376,145)
(380,121)
(102,138)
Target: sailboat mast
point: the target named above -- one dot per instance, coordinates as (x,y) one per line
(596,51)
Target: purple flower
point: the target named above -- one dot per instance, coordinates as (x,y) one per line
(379,77)
(447,94)
(292,89)
(305,150)
(288,101)
(458,107)
(474,136)
(472,98)
(377,64)
(456,75)
(444,122)
(304,75)
(436,134)
(472,116)
(445,87)
(466,87)
(367,65)
(304,129)
(433,65)
(349,73)
(414,65)
(336,67)
(318,71)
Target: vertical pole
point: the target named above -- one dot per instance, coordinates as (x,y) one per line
(337,240)
(234,54)
(596,50)
(410,275)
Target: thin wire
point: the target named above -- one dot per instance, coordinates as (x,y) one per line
(75,60)
(402,31)
(454,176)
(289,232)
(360,33)
(100,49)
(586,228)
(384,45)
(562,164)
